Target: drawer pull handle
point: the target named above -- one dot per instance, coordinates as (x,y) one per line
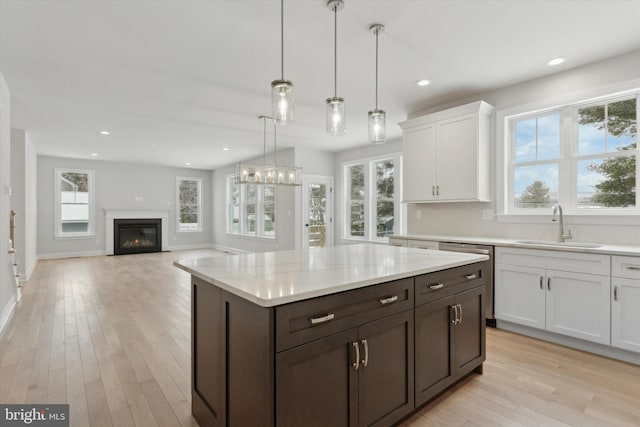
(615,293)
(470,276)
(631,267)
(356,364)
(365,361)
(316,320)
(438,286)
(389,300)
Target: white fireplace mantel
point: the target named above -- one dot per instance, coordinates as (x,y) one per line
(112,214)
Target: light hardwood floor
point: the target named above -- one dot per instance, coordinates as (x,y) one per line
(111,337)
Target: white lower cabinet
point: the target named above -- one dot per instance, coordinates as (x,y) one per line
(578,305)
(568,302)
(519,295)
(625,303)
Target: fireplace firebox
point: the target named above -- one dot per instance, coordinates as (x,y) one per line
(135,236)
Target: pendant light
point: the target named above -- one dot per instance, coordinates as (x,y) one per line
(267,173)
(376,117)
(282,96)
(336,125)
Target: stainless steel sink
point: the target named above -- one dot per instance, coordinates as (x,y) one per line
(561,244)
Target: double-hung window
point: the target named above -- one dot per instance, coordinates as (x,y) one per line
(372,206)
(582,155)
(251,209)
(75,210)
(189,204)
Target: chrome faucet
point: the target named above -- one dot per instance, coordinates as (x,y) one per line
(557,209)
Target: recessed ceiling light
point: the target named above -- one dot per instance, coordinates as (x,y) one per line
(423,82)
(94,154)
(557,61)
(105,132)
(187,163)
(226,148)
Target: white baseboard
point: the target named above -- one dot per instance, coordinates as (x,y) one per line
(189,247)
(6,313)
(591,347)
(228,249)
(27,273)
(71,254)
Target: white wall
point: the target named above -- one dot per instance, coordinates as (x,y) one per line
(23,200)
(465,219)
(363,152)
(118,185)
(8,292)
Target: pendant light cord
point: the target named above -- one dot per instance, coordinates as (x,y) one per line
(335,51)
(377,30)
(264,140)
(282,39)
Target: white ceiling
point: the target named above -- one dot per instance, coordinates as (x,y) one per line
(175,81)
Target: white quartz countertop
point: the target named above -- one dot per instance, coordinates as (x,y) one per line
(604,249)
(274,278)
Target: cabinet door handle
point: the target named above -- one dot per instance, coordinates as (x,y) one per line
(541,285)
(436,286)
(356,364)
(454,311)
(389,300)
(631,267)
(433,190)
(615,293)
(322,319)
(437,190)
(549,283)
(470,276)
(460,308)
(365,361)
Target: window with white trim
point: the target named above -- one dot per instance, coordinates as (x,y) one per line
(251,209)
(189,206)
(581,155)
(75,210)
(372,206)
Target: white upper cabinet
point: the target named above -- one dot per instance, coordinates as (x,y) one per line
(446,155)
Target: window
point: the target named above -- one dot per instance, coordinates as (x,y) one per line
(373,198)
(74,202)
(582,155)
(189,204)
(251,209)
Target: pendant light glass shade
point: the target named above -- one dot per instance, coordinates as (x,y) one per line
(335,116)
(282,101)
(282,96)
(377,117)
(376,127)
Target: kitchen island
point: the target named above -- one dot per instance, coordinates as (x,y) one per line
(344,336)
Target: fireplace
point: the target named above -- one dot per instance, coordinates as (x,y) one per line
(135,236)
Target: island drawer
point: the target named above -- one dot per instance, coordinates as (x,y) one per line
(301,322)
(433,286)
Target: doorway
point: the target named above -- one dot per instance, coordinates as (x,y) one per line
(317,211)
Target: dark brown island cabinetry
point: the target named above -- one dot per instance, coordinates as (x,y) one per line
(355,358)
